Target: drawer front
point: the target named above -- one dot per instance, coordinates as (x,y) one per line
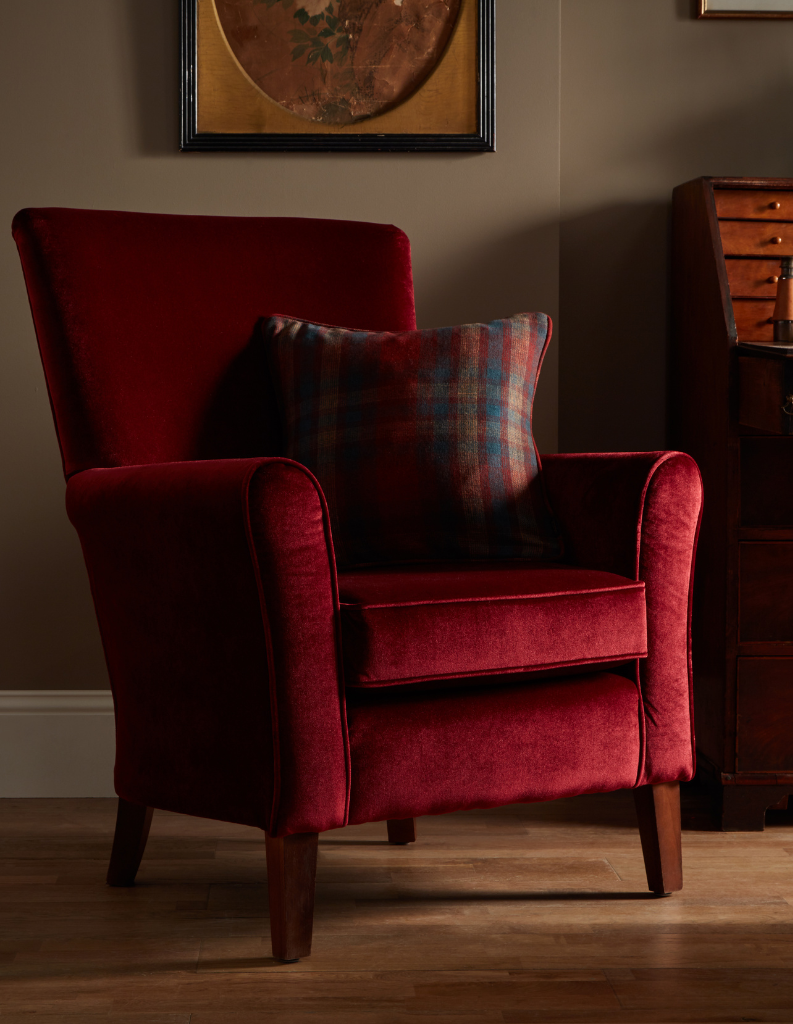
(764,384)
(766,592)
(754,238)
(743,204)
(764,738)
(767,481)
(753,278)
(753,319)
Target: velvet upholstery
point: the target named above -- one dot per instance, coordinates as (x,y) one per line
(212,564)
(638,515)
(472,619)
(215,590)
(145,321)
(421,440)
(425,753)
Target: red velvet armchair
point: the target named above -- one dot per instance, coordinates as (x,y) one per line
(255,684)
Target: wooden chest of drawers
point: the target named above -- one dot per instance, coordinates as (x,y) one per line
(730,388)
(765,387)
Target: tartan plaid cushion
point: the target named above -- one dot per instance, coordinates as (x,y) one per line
(420,440)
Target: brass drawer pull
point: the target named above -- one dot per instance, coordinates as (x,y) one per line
(776,240)
(774,206)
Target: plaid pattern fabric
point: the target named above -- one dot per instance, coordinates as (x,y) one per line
(422,440)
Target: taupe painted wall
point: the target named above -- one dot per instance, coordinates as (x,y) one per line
(88,107)
(650,99)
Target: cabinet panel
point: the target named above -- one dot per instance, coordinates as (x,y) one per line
(753,319)
(754,238)
(727,411)
(766,591)
(753,278)
(764,739)
(765,394)
(767,481)
(749,204)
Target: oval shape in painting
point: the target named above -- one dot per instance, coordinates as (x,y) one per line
(338,61)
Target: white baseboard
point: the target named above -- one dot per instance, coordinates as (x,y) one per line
(56,743)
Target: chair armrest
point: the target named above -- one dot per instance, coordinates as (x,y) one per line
(638,515)
(215,589)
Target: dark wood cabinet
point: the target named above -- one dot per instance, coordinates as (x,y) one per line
(732,409)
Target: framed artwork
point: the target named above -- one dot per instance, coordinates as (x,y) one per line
(344,75)
(745,8)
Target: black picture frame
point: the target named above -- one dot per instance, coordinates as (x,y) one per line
(483,140)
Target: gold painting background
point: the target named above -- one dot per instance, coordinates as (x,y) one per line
(445,104)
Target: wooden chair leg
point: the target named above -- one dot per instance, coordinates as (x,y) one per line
(401,831)
(658,810)
(291,872)
(132,830)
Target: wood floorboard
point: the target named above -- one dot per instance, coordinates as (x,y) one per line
(523,914)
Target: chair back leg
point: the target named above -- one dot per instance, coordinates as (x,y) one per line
(291,873)
(133,822)
(658,810)
(401,831)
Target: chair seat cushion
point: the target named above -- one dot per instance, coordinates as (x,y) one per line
(408,624)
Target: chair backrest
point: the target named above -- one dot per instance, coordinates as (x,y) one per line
(146,322)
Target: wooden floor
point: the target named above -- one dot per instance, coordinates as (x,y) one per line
(526,913)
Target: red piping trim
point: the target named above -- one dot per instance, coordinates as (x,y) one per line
(270,660)
(246,517)
(650,477)
(337,628)
(688,628)
(633,585)
(639,526)
(486,673)
(642,726)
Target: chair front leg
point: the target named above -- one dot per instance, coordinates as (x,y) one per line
(133,822)
(658,810)
(291,873)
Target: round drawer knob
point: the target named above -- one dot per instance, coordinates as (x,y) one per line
(776,240)
(774,206)
(773,280)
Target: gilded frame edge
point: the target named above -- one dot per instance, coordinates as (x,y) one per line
(482,141)
(703,12)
